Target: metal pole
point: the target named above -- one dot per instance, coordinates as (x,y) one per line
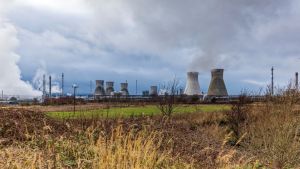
(2,95)
(296,81)
(272,83)
(74,98)
(50,86)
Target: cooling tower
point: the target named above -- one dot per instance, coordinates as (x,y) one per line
(192,84)
(153,91)
(99,88)
(217,85)
(124,89)
(109,88)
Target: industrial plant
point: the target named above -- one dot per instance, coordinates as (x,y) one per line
(103,90)
(217,87)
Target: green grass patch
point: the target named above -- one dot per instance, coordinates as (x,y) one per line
(125,112)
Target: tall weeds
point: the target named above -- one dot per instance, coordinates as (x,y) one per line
(272,130)
(92,148)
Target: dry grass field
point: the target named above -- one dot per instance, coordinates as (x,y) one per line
(256,135)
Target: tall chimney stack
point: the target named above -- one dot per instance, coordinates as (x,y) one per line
(217,85)
(192,84)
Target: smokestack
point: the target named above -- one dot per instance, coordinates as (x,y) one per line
(44,87)
(296,81)
(99,90)
(192,84)
(136,87)
(109,88)
(153,91)
(217,85)
(124,89)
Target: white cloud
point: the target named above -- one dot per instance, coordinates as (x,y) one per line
(77,7)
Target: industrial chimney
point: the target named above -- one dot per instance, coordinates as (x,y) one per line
(109,88)
(124,89)
(153,91)
(192,84)
(217,85)
(99,91)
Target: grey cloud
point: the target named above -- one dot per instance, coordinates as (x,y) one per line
(246,37)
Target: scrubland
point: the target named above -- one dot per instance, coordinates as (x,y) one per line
(248,135)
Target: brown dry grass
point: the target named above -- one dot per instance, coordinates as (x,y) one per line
(268,137)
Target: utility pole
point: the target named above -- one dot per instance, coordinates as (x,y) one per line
(272,81)
(50,85)
(74,94)
(62,84)
(296,81)
(2,95)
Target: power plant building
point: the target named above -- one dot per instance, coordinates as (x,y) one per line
(217,85)
(124,89)
(109,88)
(192,84)
(153,91)
(99,91)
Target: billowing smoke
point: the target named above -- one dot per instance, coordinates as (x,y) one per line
(10,74)
(37,80)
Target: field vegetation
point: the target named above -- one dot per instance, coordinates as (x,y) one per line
(133,111)
(243,135)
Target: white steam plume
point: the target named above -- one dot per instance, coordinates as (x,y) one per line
(37,80)
(10,74)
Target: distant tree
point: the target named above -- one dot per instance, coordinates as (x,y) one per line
(167,100)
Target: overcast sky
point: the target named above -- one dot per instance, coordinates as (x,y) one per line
(148,40)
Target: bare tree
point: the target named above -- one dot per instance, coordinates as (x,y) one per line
(167,100)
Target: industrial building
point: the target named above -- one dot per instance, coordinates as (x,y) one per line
(217,85)
(99,91)
(153,91)
(192,84)
(124,89)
